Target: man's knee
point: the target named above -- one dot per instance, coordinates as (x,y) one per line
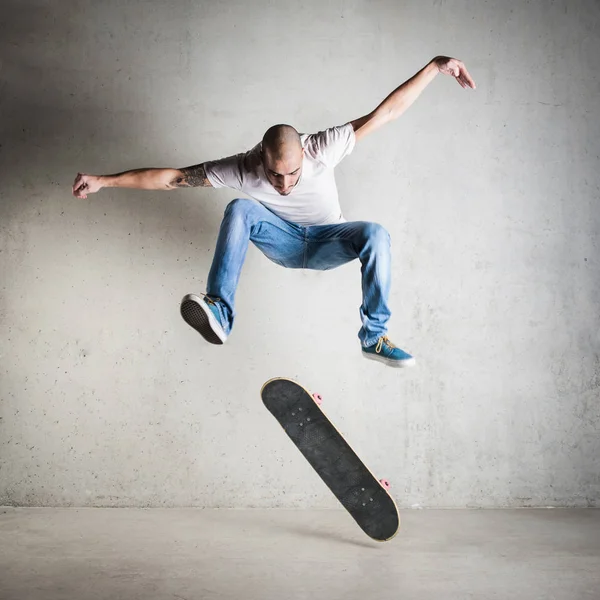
(243,209)
(376,235)
(240,207)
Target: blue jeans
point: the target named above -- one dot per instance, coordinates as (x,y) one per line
(319,247)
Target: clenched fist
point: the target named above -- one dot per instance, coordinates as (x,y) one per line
(86,184)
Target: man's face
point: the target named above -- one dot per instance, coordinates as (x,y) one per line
(283,174)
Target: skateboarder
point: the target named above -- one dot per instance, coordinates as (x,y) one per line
(290,210)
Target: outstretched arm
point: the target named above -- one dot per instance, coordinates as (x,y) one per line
(143,179)
(402,97)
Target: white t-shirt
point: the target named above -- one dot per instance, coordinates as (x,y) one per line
(314,199)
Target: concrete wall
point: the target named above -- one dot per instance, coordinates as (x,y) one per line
(108,398)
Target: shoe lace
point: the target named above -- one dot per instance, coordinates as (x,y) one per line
(210,300)
(383,340)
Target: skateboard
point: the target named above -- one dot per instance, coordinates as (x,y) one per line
(366,499)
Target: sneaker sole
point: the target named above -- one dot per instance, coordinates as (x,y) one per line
(197,315)
(398,364)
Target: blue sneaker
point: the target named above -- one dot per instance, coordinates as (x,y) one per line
(203,315)
(384,351)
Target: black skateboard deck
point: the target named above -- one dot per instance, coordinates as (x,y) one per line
(360,493)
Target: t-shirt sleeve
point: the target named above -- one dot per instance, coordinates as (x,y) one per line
(333,144)
(225,172)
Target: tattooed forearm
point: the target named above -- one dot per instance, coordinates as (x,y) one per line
(191,177)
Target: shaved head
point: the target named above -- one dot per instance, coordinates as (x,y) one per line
(281,141)
(282,155)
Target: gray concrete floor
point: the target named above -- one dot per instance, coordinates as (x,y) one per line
(193,554)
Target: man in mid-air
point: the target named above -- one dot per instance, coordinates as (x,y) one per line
(292,214)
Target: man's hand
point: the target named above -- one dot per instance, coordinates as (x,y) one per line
(86,184)
(456,68)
